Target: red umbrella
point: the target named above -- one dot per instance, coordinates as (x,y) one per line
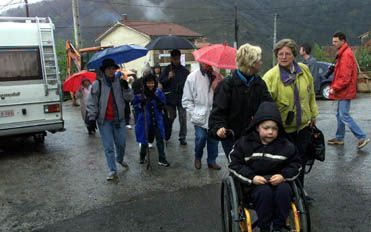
(73,82)
(217,55)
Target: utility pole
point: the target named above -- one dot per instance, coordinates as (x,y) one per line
(235,44)
(76,23)
(274,37)
(27,10)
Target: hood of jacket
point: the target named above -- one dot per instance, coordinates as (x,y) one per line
(267,111)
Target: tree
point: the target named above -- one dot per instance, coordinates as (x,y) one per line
(319,54)
(62,58)
(364,59)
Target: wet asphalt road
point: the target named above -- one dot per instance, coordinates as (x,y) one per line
(61,186)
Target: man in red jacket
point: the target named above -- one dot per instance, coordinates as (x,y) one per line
(344,89)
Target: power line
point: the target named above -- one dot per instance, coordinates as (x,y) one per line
(9,4)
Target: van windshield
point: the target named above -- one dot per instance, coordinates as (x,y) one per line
(18,64)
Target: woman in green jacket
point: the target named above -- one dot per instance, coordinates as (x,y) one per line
(291,87)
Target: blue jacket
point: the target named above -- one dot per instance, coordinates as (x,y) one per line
(156,104)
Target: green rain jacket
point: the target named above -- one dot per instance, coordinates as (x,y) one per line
(284,96)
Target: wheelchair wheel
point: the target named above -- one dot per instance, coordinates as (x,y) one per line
(230,208)
(299,217)
(248,224)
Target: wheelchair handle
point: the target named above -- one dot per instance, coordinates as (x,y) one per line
(230,133)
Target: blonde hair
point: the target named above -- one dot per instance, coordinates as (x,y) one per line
(286,43)
(247,55)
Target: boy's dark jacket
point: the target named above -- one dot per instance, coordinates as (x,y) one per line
(249,157)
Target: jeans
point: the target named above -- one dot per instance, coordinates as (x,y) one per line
(200,141)
(343,118)
(159,144)
(113,139)
(182,113)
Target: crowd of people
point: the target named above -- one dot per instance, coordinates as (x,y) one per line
(263,123)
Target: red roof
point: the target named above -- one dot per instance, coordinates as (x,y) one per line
(160,28)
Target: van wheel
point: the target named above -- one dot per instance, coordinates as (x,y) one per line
(325,91)
(39,138)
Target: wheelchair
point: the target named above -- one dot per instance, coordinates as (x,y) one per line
(238,214)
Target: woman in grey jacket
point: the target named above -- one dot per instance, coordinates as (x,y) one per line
(106,105)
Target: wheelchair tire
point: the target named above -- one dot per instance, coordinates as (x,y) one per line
(230,208)
(302,207)
(248,220)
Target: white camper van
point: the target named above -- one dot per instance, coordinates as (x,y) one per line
(30,90)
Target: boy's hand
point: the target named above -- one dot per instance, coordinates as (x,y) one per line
(259,180)
(276,179)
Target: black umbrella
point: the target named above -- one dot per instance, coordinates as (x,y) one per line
(169,42)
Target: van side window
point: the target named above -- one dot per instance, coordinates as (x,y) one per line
(18,64)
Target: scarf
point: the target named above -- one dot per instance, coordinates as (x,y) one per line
(247,80)
(288,77)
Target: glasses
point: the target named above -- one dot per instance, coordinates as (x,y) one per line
(284,54)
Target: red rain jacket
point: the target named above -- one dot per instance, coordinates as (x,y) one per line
(345,75)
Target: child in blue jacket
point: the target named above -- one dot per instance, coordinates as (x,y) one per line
(148,106)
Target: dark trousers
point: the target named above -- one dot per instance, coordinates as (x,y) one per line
(159,144)
(127,112)
(272,204)
(182,113)
(301,140)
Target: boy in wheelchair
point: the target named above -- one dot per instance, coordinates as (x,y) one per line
(266,160)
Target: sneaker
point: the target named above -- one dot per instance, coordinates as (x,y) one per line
(163,163)
(362,143)
(150,145)
(129,127)
(141,161)
(111,176)
(335,141)
(182,142)
(123,164)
